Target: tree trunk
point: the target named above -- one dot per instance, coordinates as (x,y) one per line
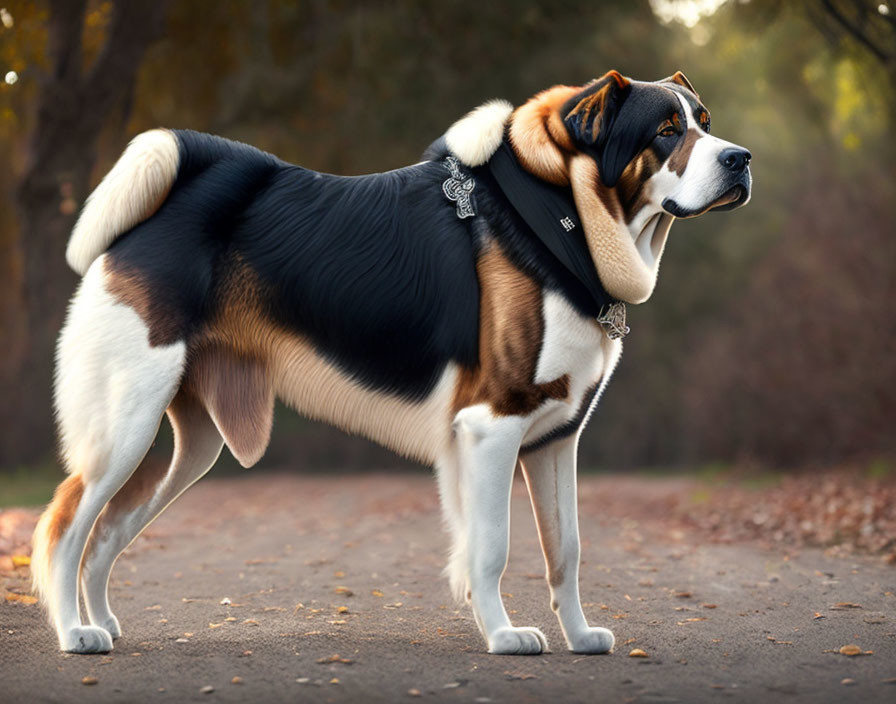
(73,106)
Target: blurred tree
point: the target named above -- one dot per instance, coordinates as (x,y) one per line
(75,99)
(353,87)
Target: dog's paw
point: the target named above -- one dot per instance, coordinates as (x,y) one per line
(112,626)
(517,641)
(87,639)
(594,640)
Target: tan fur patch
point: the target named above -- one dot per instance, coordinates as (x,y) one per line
(62,509)
(511,332)
(621,269)
(539,137)
(243,359)
(631,191)
(238,393)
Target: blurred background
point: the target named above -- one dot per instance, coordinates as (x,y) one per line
(770,341)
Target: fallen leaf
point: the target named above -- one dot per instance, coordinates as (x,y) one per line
(376,592)
(850,650)
(236,680)
(637,653)
(335,680)
(843,605)
(847,681)
(208,689)
(215,625)
(415,692)
(343,590)
(683,595)
(709,606)
(817,616)
(89,680)
(520,676)
(335,658)
(342,610)
(21,598)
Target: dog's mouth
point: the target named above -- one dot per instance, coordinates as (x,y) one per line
(734,197)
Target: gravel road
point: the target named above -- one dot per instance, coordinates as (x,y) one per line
(278,587)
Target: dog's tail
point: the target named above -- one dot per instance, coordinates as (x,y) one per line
(132,191)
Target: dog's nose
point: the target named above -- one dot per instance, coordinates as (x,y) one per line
(735,159)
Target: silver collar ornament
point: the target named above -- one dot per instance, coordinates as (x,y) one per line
(613,321)
(459,189)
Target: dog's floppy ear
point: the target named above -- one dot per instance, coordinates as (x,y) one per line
(682,80)
(590,117)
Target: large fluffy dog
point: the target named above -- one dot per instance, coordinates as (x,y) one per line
(463,311)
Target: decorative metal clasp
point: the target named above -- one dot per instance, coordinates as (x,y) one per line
(459,189)
(613,321)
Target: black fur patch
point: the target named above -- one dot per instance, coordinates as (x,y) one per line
(377,271)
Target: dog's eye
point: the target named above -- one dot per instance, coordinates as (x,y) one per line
(704,121)
(667,129)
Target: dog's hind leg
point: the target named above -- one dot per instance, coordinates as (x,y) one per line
(448,473)
(488,447)
(112,388)
(149,491)
(550,474)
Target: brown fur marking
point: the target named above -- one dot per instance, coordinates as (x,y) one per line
(62,509)
(539,138)
(631,191)
(511,331)
(131,290)
(678,160)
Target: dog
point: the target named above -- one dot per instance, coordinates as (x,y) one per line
(465,311)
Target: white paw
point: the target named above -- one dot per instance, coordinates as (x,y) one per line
(111,624)
(87,639)
(594,640)
(517,641)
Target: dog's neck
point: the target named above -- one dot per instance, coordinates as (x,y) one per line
(626,256)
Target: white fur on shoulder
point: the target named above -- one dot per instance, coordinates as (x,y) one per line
(132,191)
(477,135)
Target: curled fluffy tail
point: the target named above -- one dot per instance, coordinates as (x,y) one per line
(132,191)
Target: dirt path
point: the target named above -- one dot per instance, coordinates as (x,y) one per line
(316,568)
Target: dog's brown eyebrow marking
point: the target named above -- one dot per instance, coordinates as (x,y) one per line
(678,161)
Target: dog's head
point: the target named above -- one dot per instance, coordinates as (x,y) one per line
(637,155)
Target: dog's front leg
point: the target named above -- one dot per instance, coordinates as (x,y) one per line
(551,477)
(488,448)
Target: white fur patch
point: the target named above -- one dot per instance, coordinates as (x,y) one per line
(106,375)
(132,191)
(476,136)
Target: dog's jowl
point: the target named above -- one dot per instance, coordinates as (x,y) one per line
(465,311)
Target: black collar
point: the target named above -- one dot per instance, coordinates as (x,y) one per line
(550,212)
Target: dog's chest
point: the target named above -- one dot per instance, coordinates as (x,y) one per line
(575,347)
